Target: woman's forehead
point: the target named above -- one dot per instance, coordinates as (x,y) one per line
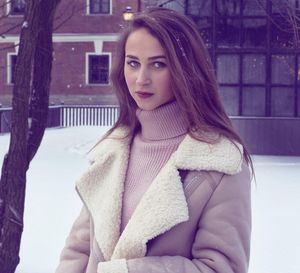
(143,42)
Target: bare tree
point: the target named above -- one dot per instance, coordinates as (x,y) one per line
(289,13)
(7,26)
(284,15)
(30,95)
(65,13)
(166,3)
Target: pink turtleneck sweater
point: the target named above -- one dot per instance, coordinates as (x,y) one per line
(162,130)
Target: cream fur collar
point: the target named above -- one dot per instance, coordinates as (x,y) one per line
(101,189)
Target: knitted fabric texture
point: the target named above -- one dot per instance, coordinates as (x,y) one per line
(162,130)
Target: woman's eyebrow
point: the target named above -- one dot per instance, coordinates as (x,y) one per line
(132,57)
(150,58)
(157,57)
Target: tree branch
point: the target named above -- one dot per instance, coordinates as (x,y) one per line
(10,29)
(9,47)
(77,7)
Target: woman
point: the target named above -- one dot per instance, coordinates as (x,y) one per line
(168,190)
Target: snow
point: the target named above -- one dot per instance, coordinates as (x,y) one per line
(52,203)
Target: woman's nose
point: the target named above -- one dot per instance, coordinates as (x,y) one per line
(143,77)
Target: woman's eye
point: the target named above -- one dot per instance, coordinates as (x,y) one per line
(159,65)
(133,64)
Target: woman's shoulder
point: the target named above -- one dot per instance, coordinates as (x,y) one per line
(193,179)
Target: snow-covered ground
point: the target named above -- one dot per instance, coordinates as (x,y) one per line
(52,203)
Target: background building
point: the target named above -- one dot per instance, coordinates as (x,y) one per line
(255,49)
(254,46)
(84,38)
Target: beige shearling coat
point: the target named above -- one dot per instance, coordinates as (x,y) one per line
(194,218)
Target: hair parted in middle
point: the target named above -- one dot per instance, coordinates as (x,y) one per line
(193,80)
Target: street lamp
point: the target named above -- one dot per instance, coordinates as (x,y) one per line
(128,14)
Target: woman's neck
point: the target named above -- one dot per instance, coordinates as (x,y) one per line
(166,121)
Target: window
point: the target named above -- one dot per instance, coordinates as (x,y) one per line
(283,69)
(254,47)
(298,71)
(298,86)
(17,7)
(254,8)
(199,8)
(99,7)
(228,8)
(254,101)
(98,69)
(254,33)
(228,32)
(228,69)
(254,69)
(230,99)
(172,4)
(282,102)
(228,77)
(283,73)
(278,5)
(253,80)
(205,28)
(12,60)
(298,96)
(282,33)
(201,13)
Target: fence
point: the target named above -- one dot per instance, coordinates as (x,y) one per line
(273,136)
(69,115)
(89,115)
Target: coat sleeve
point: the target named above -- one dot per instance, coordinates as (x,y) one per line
(75,254)
(222,240)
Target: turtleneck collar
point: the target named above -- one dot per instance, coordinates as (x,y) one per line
(164,122)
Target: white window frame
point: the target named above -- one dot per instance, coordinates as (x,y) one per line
(98,14)
(87,54)
(8,10)
(9,71)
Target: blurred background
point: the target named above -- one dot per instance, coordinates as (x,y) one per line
(254,46)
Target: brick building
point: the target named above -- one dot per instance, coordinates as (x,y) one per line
(254,46)
(84,41)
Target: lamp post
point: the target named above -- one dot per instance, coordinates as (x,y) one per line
(128,13)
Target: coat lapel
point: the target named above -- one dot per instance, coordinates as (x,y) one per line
(101,189)
(162,206)
(222,156)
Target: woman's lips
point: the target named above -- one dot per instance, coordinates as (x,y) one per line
(144,95)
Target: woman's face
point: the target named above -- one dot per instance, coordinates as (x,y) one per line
(146,70)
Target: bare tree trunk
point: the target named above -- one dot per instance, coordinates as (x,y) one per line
(33,61)
(13,178)
(39,101)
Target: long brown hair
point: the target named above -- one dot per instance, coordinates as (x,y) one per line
(193,80)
